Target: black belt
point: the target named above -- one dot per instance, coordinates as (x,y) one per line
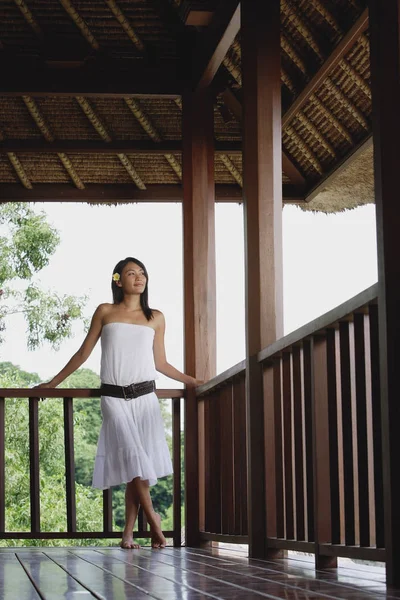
(128,392)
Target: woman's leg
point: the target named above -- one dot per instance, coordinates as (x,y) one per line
(154,520)
(132,505)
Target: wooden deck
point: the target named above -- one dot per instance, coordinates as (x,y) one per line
(175,573)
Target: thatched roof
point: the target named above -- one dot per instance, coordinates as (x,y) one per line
(78,139)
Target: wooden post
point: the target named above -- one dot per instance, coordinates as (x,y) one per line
(385,72)
(199,281)
(262,189)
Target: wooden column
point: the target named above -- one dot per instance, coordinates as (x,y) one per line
(385,71)
(199,283)
(262,175)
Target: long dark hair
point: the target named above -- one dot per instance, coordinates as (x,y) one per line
(118,294)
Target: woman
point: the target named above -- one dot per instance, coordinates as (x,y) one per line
(132,448)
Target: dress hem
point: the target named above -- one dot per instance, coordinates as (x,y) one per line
(152,482)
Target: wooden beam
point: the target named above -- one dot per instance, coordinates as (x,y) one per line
(217,40)
(385,76)
(199,282)
(199,18)
(288,166)
(101,78)
(262,192)
(291,171)
(330,63)
(116,146)
(94,192)
(80,24)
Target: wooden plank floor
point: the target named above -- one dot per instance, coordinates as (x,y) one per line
(177,573)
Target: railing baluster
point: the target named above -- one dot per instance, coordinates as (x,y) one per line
(107,512)
(287,444)
(322,505)
(362,437)
(69,464)
(227,475)
(308,417)
(176,453)
(208,463)
(347,429)
(333,434)
(239,395)
(140,520)
(2,466)
(298,443)
(201,462)
(237,451)
(376,425)
(34,463)
(216,462)
(269,442)
(280,514)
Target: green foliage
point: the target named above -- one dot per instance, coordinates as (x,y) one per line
(27,243)
(11,372)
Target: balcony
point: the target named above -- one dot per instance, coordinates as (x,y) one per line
(323,479)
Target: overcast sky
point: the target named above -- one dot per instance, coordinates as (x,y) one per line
(327,260)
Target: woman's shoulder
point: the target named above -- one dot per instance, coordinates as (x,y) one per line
(158,316)
(103,309)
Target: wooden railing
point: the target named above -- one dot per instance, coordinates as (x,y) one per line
(67,396)
(323,456)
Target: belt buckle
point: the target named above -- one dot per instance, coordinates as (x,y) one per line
(130,390)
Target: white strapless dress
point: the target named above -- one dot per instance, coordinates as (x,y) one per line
(132,438)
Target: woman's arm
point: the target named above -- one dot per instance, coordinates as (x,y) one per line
(84,351)
(160,358)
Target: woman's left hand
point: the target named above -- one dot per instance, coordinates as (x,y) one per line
(195,382)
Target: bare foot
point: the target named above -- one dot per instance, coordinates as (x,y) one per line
(157,538)
(127,543)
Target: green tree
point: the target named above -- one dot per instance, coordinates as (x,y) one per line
(27,243)
(10,372)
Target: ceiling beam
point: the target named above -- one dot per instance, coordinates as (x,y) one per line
(338,53)
(116,146)
(215,42)
(100,78)
(291,171)
(55,192)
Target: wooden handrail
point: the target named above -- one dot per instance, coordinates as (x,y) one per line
(368,296)
(74,393)
(328,319)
